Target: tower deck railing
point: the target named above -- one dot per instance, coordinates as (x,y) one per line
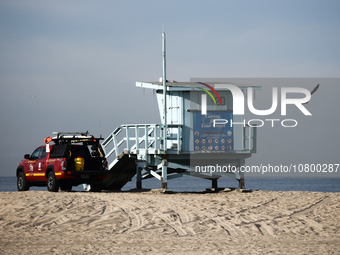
(147,139)
(143,139)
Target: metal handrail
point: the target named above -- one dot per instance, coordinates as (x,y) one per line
(153,141)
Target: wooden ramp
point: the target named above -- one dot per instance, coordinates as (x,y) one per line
(121,173)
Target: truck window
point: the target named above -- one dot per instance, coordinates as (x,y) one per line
(59,150)
(36,153)
(43,153)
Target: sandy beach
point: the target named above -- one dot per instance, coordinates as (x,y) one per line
(260,222)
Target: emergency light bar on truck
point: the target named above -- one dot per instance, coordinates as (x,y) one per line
(73,137)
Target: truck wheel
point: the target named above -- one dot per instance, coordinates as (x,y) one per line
(22,183)
(64,186)
(52,182)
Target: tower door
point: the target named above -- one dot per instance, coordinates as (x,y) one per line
(174,108)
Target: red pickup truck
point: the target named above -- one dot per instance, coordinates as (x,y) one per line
(64,163)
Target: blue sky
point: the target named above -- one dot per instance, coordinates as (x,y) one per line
(72,65)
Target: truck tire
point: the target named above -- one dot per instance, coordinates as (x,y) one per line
(52,182)
(22,183)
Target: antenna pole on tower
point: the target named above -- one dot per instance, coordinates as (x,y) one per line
(165,143)
(164,91)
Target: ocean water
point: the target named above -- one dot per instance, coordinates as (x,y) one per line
(190,184)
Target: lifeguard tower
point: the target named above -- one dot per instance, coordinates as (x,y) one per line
(194,137)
